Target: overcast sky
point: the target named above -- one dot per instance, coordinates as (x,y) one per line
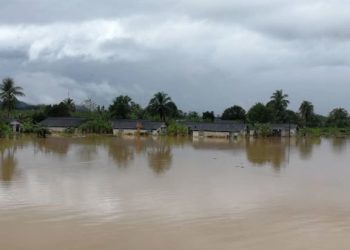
(207,55)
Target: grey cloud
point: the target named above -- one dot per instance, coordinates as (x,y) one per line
(205,54)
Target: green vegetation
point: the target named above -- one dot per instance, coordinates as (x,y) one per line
(325,131)
(234,113)
(208,116)
(8,94)
(259,113)
(5,130)
(162,108)
(162,105)
(176,129)
(97,126)
(121,107)
(278,104)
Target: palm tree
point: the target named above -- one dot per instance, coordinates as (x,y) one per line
(162,105)
(70,104)
(306,110)
(279,104)
(8,94)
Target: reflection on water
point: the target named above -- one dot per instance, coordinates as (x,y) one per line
(267,151)
(8,165)
(159,156)
(107,192)
(55,145)
(306,145)
(122,152)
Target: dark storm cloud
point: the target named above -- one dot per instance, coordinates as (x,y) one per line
(206,54)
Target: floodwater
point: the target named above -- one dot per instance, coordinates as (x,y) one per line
(110,193)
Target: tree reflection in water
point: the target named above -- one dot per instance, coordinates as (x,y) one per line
(53,145)
(267,151)
(339,144)
(305,146)
(8,148)
(160,156)
(121,151)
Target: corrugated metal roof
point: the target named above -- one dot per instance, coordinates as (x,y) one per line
(135,124)
(62,122)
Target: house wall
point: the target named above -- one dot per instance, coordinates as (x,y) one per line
(214,134)
(56,129)
(210,134)
(285,132)
(134,132)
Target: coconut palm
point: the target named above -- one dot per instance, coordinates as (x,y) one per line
(70,104)
(162,105)
(279,104)
(8,94)
(306,110)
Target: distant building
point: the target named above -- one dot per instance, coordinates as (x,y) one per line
(279,129)
(284,129)
(138,127)
(60,124)
(216,129)
(16,126)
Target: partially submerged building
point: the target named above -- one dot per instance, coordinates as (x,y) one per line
(278,129)
(283,129)
(61,124)
(216,129)
(138,127)
(16,126)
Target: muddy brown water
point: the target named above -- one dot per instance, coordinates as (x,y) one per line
(147,193)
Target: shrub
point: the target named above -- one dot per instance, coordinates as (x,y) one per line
(263,130)
(98,126)
(42,132)
(175,129)
(69,130)
(5,130)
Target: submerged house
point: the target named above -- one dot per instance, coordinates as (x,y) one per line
(216,129)
(16,126)
(60,124)
(138,127)
(279,129)
(283,129)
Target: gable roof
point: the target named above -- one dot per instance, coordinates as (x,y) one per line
(62,122)
(216,127)
(135,124)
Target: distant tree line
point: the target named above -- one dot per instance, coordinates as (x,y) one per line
(162,108)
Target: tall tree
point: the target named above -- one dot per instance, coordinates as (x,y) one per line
(208,116)
(279,104)
(70,104)
(121,107)
(162,105)
(338,117)
(8,94)
(306,111)
(57,110)
(136,111)
(234,113)
(259,113)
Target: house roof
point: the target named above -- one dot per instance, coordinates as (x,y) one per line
(283,126)
(216,127)
(62,122)
(15,122)
(135,124)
